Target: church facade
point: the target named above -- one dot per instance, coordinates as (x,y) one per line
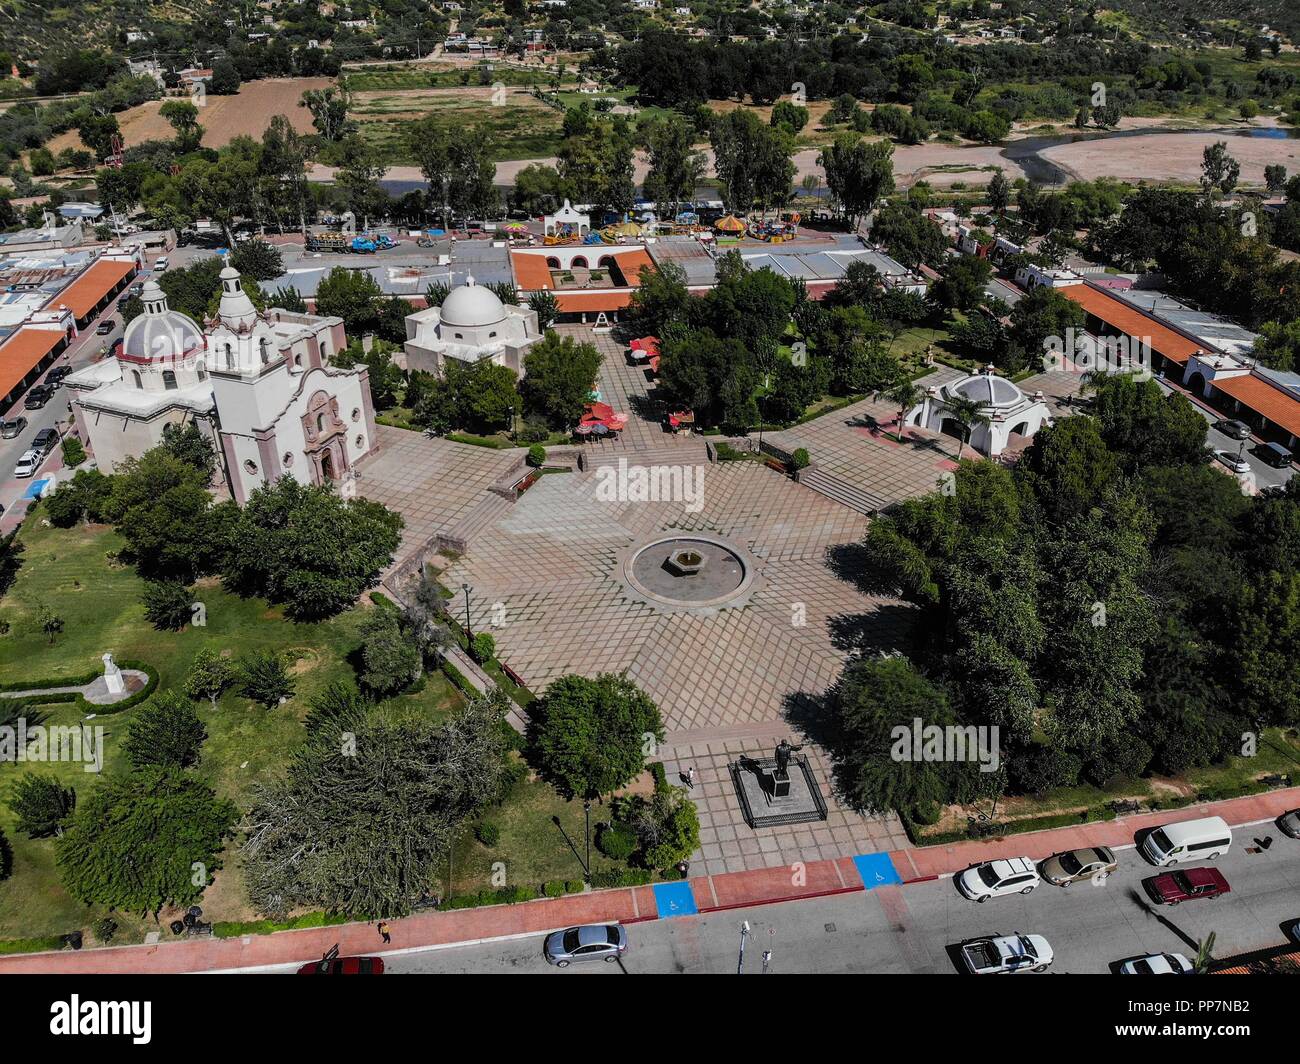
(258,383)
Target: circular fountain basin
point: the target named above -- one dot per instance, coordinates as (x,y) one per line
(689,571)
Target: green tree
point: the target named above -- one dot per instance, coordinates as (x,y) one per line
(257,259)
(390,661)
(351,295)
(264,678)
(165,731)
(590,737)
(144,840)
(559,375)
(167,604)
(546,307)
(183,117)
(676,168)
(329,111)
(858,174)
(968,413)
(209,676)
(42,804)
(962,285)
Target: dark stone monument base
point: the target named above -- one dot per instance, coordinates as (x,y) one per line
(768,801)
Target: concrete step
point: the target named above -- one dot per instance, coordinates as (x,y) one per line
(840,491)
(483,514)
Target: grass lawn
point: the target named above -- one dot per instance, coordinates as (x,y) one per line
(72,572)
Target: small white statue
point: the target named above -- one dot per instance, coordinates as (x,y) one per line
(113,676)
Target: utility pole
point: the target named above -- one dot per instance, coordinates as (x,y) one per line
(744,934)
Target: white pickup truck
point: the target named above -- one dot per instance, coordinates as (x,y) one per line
(999,954)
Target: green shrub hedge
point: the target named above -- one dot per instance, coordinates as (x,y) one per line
(31,945)
(237,928)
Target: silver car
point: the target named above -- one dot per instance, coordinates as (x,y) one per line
(1289,823)
(587,943)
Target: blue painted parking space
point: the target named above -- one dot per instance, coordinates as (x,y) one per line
(876,870)
(675,899)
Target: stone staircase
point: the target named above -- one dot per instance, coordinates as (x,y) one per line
(840,491)
(685,453)
(481,515)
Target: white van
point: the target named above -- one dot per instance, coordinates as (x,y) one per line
(1188,840)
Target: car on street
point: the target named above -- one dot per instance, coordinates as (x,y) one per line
(136,289)
(56,376)
(1187,884)
(38,397)
(12,429)
(160,265)
(1157,964)
(1289,824)
(590,942)
(1235,462)
(344,966)
(1273,453)
(993,879)
(1000,954)
(1238,430)
(45,440)
(1095,863)
(105,327)
(28,462)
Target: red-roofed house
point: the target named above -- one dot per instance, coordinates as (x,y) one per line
(590,282)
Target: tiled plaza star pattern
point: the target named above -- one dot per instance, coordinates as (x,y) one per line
(547,572)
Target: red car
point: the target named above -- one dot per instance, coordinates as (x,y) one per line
(344,966)
(1186,884)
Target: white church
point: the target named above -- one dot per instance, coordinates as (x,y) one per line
(260,384)
(471,325)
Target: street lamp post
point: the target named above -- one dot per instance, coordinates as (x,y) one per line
(744,934)
(586,808)
(469,631)
(512,424)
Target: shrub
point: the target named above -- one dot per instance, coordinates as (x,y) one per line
(487,833)
(617,841)
(167,604)
(800,458)
(264,678)
(574,886)
(537,456)
(105,929)
(73,452)
(660,775)
(483,648)
(1043,768)
(554,889)
(621,877)
(535,430)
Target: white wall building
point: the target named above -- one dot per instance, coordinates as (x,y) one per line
(471,325)
(259,383)
(1009,410)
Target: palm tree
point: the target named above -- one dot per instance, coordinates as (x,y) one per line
(1204,954)
(906,394)
(968,413)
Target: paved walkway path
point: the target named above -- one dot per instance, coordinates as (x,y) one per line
(703,894)
(96,692)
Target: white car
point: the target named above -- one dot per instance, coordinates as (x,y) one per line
(28,463)
(1157,964)
(1016,875)
(1003,954)
(1234,462)
(160,265)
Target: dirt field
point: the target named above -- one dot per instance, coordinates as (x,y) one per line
(1157,157)
(223,118)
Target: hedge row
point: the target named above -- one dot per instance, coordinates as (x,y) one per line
(238,928)
(68,696)
(31,945)
(458,679)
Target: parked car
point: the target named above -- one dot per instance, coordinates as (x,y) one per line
(136,289)
(996,878)
(1095,863)
(589,942)
(999,954)
(12,429)
(160,265)
(1173,888)
(38,397)
(1289,824)
(1157,964)
(1188,840)
(105,327)
(1273,453)
(57,375)
(1238,430)
(344,966)
(1233,461)
(45,440)
(28,462)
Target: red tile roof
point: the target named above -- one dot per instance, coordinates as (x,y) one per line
(22,352)
(1258,395)
(86,291)
(1122,317)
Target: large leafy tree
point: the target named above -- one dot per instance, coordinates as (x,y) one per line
(306,547)
(559,376)
(590,737)
(165,731)
(676,168)
(42,804)
(362,824)
(858,174)
(144,840)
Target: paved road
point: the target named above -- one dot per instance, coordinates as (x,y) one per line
(911,929)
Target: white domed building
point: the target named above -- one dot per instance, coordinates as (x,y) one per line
(258,383)
(1013,416)
(472,325)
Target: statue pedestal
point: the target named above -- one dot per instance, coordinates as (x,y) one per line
(113,676)
(780,784)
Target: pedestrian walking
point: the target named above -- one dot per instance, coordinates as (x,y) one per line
(384,933)
(690,777)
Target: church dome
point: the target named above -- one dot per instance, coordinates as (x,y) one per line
(991,391)
(471,306)
(160,334)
